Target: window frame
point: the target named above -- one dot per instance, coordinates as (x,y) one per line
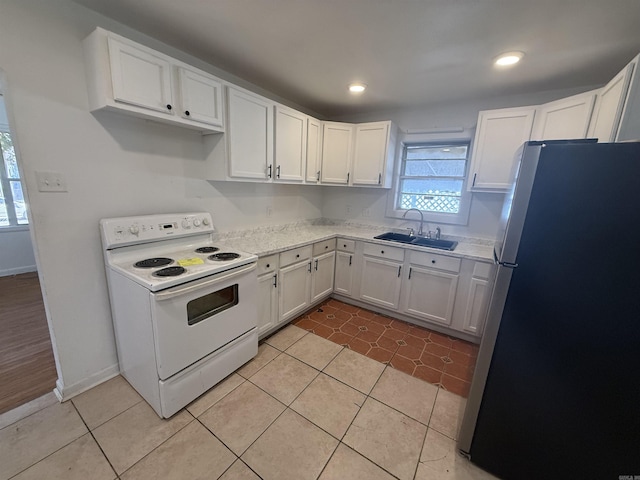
(6,188)
(460,218)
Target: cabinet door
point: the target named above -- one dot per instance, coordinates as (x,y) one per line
(267,302)
(564,119)
(380,282)
(337,141)
(140,77)
(430,294)
(295,289)
(290,145)
(249,135)
(609,104)
(201,97)
(314,150)
(372,140)
(475,313)
(344,273)
(499,135)
(322,276)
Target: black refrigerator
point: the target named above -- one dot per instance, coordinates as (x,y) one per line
(556,391)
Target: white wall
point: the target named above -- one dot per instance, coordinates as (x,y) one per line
(16,252)
(113,165)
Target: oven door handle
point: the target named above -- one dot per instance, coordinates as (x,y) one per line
(217,278)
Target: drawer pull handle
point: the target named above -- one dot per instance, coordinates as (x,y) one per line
(349,260)
(309,267)
(275,280)
(409,273)
(316,265)
(399,270)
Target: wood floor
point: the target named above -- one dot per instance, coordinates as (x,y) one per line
(27,368)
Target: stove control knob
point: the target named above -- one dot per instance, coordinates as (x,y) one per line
(134,229)
(205,221)
(196,222)
(185,223)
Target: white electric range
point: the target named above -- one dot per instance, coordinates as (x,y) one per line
(184,307)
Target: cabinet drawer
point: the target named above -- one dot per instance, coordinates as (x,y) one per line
(324,247)
(383,251)
(482,270)
(440,262)
(346,245)
(295,255)
(267,264)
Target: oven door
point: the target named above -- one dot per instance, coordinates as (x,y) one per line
(195,319)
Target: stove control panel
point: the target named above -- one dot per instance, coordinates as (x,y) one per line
(117,232)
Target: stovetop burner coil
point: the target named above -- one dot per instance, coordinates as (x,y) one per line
(153,262)
(207,249)
(223,256)
(169,272)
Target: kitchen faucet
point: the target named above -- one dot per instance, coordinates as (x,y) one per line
(420,232)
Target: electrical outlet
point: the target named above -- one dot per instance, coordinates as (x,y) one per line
(269,210)
(51,182)
(366,212)
(349,210)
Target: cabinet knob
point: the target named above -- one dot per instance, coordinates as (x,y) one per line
(268,265)
(169,107)
(326,246)
(433,261)
(298,256)
(187,113)
(381,251)
(344,246)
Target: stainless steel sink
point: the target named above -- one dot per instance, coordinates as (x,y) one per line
(419,241)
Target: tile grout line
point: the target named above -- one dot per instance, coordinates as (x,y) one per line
(95,440)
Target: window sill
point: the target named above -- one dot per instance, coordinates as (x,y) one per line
(14,228)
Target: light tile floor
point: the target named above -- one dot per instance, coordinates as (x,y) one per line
(303,408)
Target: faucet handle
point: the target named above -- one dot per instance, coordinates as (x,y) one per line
(411,232)
(438,232)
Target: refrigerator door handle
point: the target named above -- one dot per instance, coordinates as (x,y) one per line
(503,264)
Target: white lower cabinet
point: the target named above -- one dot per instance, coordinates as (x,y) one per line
(477,298)
(429,289)
(345,267)
(380,278)
(322,276)
(268,293)
(295,282)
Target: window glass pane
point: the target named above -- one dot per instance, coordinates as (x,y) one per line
(18,202)
(437,152)
(4,220)
(430,203)
(440,168)
(436,186)
(9,154)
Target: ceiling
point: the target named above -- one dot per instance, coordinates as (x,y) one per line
(410,53)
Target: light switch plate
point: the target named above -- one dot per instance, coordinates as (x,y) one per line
(51,182)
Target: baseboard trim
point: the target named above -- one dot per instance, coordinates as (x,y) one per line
(18,270)
(64,392)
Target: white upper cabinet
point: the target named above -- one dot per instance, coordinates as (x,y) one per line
(249,135)
(201,97)
(609,104)
(337,144)
(374,150)
(314,150)
(140,77)
(498,136)
(127,77)
(290,145)
(617,112)
(566,118)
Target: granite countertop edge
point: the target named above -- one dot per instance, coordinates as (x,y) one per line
(275,239)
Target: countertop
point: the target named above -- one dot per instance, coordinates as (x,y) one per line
(265,241)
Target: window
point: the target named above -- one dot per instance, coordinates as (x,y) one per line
(432,178)
(12,207)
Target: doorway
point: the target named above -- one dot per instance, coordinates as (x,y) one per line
(27,365)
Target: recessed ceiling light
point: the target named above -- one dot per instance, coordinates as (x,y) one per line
(357,87)
(508,59)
